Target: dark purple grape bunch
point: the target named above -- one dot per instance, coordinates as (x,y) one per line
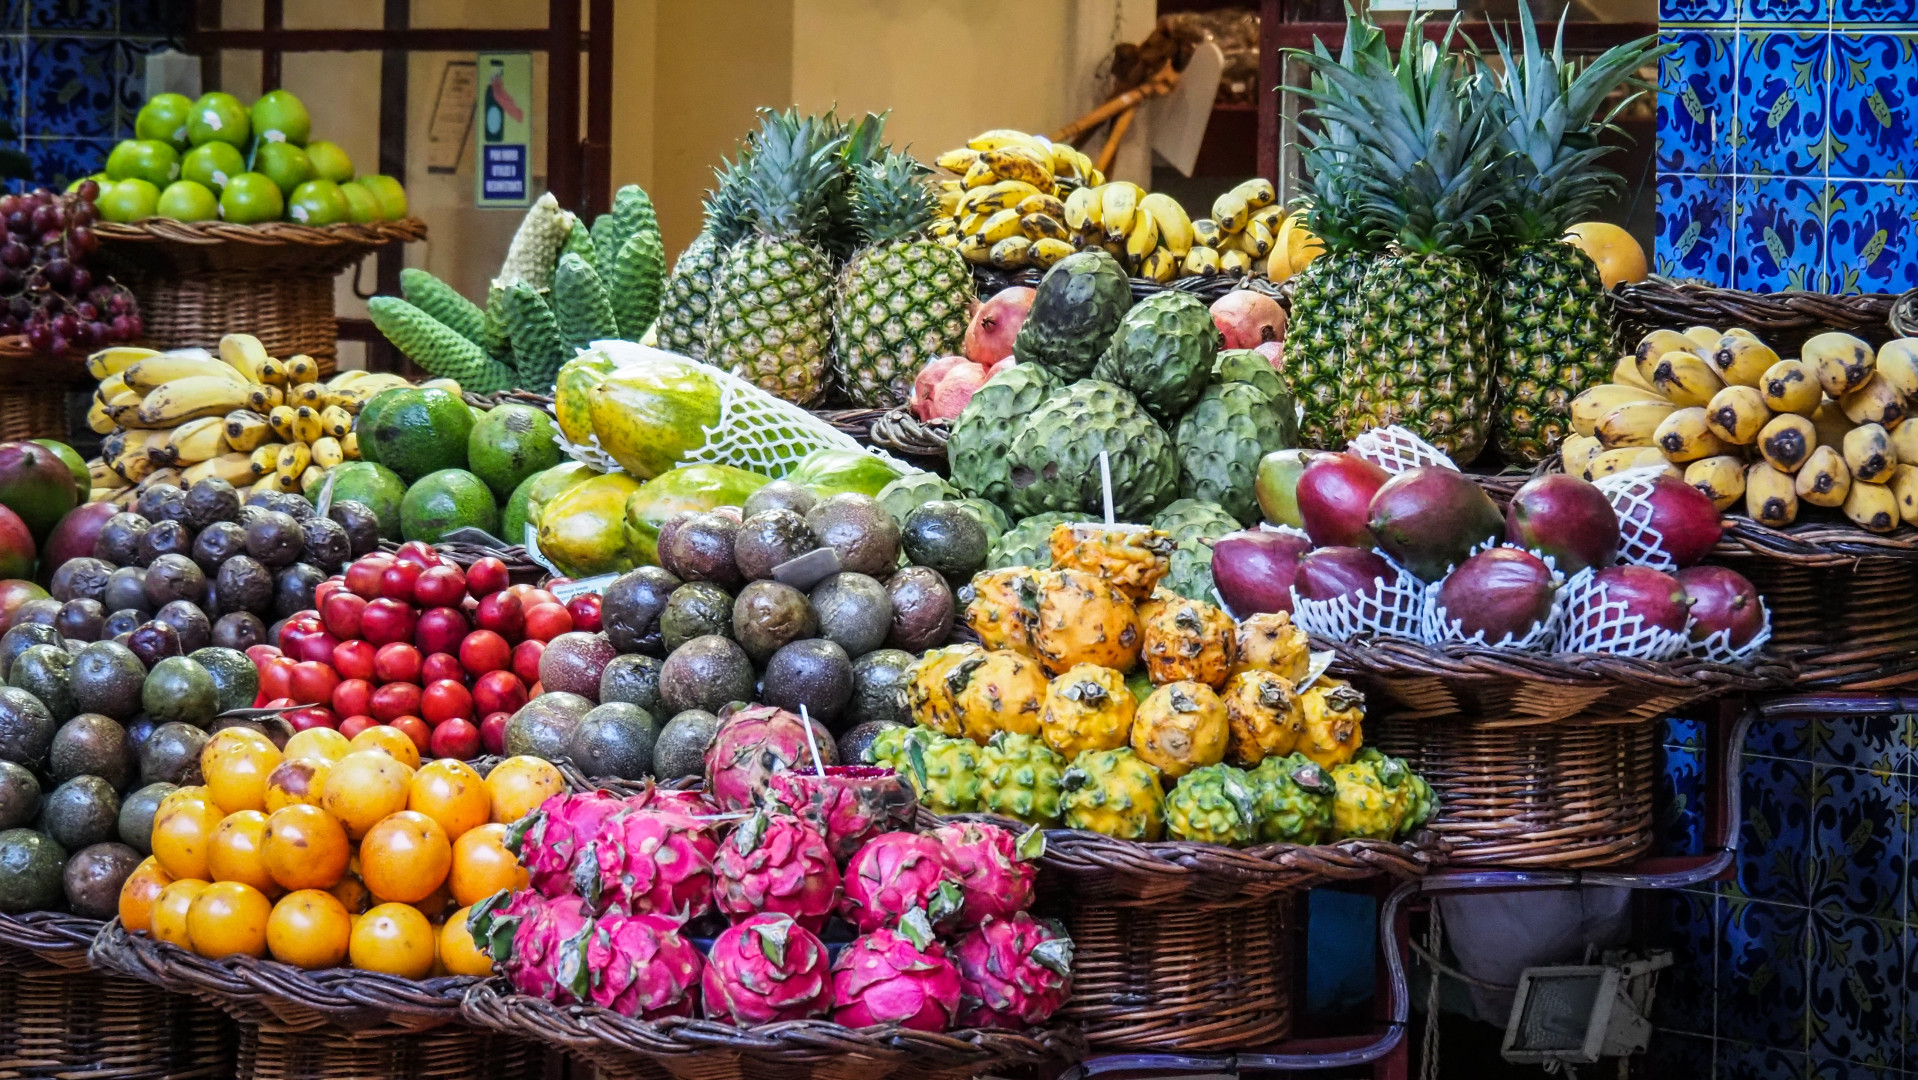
(49,293)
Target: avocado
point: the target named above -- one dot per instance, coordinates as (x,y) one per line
(815,675)
(695,609)
(945,537)
(43,671)
(21,637)
(106,678)
(83,811)
(680,750)
(235,678)
(172,754)
(614,739)
(93,745)
(632,679)
(93,877)
(30,867)
(544,726)
(707,673)
(26,728)
(854,610)
(769,615)
(19,795)
(136,815)
(180,689)
(879,681)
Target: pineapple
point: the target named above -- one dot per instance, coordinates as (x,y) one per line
(687,295)
(1087,708)
(905,298)
(771,315)
(1554,315)
(1188,639)
(1181,727)
(1409,164)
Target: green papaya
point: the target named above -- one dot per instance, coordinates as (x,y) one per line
(582,530)
(834,472)
(650,414)
(689,487)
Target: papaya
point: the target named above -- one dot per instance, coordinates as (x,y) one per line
(582,531)
(689,487)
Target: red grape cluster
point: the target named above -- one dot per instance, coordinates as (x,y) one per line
(49,294)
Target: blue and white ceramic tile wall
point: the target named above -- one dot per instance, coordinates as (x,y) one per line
(1788,144)
(72,76)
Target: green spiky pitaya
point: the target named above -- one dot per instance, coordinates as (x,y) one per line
(1013,972)
(1292,798)
(754,743)
(777,863)
(942,771)
(641,967)
(539,944)
(765,970)
(1019,778)
(851,804)
(896,977)
(1366,805)
(995,869)
(888,748)
(1412,798)
(1211,805)
(551,840)
(652,862)
(894,873)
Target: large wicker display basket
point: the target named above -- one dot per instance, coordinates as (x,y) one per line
(197,281)
(59,1018)
(33,391)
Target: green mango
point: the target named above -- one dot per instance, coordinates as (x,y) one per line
(835,472)
(689,487)
(582,530)
(649,415)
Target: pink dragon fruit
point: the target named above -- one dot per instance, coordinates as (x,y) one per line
(777,863)
(539,943)
(653,863)
(894,873)
(851,804)
(641,967)
(1013,972)
(995,871)
(690,803)
(896,977)
(751,745)
(551,840)
(764,970)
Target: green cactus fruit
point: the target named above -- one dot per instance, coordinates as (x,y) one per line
(437,347)
(912,491)
(533,330)
(494,337)
(579,241)
(1292,799)
(980,444)
(1220,441)
(631,215)
(1412,798)
(581,304)
(638,270)
(443,302)
(1055,458)
(944,773)
(1020,779)
(1212,805)
(1163,353)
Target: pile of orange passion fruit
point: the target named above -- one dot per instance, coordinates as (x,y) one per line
(333,852)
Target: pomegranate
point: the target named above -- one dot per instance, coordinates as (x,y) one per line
(995,324)
(1248,319)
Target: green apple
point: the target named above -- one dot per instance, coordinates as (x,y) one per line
(329,161)
(151,160)
(287,165)
(251,198)
(128,201)
(212,164)
(1276,486)
(362,205)
(280,117)
(318,202)
(188,200)
(163,117)
(218,117)
(391,195)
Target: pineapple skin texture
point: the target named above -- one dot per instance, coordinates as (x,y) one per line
(901,305)
(1115,793)
(1324,323)
(1270,642)
(1000,691)
(1265,715)
(688,298)
(1083,620)
(1555,336)
(1087,708)
(1424,356)
(930,693)
(1189,640)
(771,317)
(1181,727)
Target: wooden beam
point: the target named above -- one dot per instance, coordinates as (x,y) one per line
(274,18)
(436,39)
(1266,92)
(562,102)
(394,73)
(596,195)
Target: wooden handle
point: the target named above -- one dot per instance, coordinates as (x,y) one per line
(1159,86)
(1111,149)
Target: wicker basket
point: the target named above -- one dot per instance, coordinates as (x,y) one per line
(622,1046)
(276,1052)
(33,392)
(1557,795)
(1782,319)
(61,1019)
(197,281)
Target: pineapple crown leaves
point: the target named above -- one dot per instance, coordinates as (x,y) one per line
(1549,122)
(791,174)
(1328,207)
(864,144)
(725,214)
(890,200)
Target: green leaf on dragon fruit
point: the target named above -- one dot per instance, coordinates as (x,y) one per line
(492,933)
(516,832)
(572,971)
(1032,842)
(1055,955)
(586,874)
(747,836)
(1312,778)
(916,757)
(916,928)
(772,939)
(946,901)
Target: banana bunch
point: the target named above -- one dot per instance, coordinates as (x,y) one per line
(1002,201)
(1824,428)
(248,418)
(1242,235)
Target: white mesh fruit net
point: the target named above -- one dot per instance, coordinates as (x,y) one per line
(1630,494)
(1594,623)
(1719,649)
(1440,628)
(1397,450)
(1395,609)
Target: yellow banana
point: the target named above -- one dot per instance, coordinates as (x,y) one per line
(1257,237)
(1686,435)
(1047,251)
(165,474)
(1791,386)
(115,359)
(180,400)
(1786,441)
(1875,401)
(280,419)
(1231,211)
(1065,161)
(1200,261)
(1872,507)
(1904,443)
(336,421)
(975,221)
(306,424)
(1613,461)
(1831,424)
(123,408)
(1904,488)
(1235,262)
(269,482)
(1737,413)
(150,374)
(1042,227)
(1082,209)
(1206,233)
(1898,363)
(974,249)
(998,137)
(1004,195)
(327,452)
(265,396)
(264,457)
(244,354)
(938,229)
(1011,253)
(1118,201)
(1684,376)
(999,226)
(1658,343)
(1869,453)
(1625,373)
(1742,360)
(110,387)
(1020,163)
(234,468)
(245,429)
(350,446)
(307,394)
(1842,361)
(1703,337)
(1175,226)
(451,386)
(293,460)
(98,421)
(1721,478)
(1143,236)
(978,174)
(103,475)
(1824,480)
(1591,406)
(1577,452)
(1770,498)
(1048,205)
(301,369)
(957,160)
(198,440)
(1272,217)
(1257,192)
(1160,265)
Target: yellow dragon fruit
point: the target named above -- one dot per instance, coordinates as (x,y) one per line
(1334,715)
(1188,640)
(930,694)
(1265,715)
(1000,605)
(1181,727)
(1019,778)
(1364,806)
(1292,798)
(1082,620)
(1116,793)
(1087,708)
(1000,691)
(1272,642)
(1131,558)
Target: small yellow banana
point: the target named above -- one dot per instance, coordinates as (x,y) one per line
(1898,363)
(1004,195)
(1831,423)
(1143,236)
(350,445)
(1786,441)
(179,400)
(244,354)
(1632,423)
(307,394)
(1625,373)
(1686,435)
(280,419)
(265,397)
(1685,377)
(1742,360)
(1159,265)
(1020,163)
(999,226)
(336,421)
(1206,233)
(1231,211)
(1875,401)
(1235,262)
(1175,226)
(1257,192)
(102,474)
(1737,413)
(98,421)
(1704,338)
(1842,361)
(197,440)
(1770,498)
(1272,217)
(1048,205)
(1904,443)
(998,137)
(110,387)
(1042,227)
(1200,262)
(293,460)
(264,457)
(1118,201)
(115,359)
(1082,209)
(1577,452)
(957,161)
(327,452)
(1824,480)
(974,249)
(150,374)
(1011,253)
(1872,507)
(245,429)
(234,468)
(1065,162)
(1869,453)
(1904,488)
(1047,251)
(301,369)
(1658,343)
(1607,462)
(1721,478)
(1791,386)
(306,424)
(978,174)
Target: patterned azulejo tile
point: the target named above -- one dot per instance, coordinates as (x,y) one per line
(1876,11)
(1866,742)
(1761,972)
(1860,848)
(59,162)
(1857,970)
(1874,105)
(70,87)
(72,14)
(1799,12)
(1681,800)
(1873,235)
(1780,237)
(1695,102)
(1695,228)
(1774,840)
(1745,1061)
(1784,92)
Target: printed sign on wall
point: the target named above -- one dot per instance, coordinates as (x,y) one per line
(504,173)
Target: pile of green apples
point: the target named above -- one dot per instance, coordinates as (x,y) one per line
(215,159)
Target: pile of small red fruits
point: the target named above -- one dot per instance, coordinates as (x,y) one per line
(412,641)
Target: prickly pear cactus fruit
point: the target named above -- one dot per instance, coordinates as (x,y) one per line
(1181,727)
(1083,620)
(1292,798)
(1000,607)
(1130,559)
(1029,542)
(980,444)
(1000,691)
(1334,713)
(1212,805)
(1019,778)
(1163,352)
(1189,639)
(1265,714)
(1087,708)
(930,694)
(1271,642)
(1114,792)
(1364,807)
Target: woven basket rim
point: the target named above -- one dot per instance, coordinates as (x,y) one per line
(490,1003)
(57,937)
(1208,288)
(203,234)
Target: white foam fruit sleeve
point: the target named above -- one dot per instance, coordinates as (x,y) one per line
(1639,543)
(1718,647)
(1397,450)
(1439,628)
(1395,609)
(1594,623)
